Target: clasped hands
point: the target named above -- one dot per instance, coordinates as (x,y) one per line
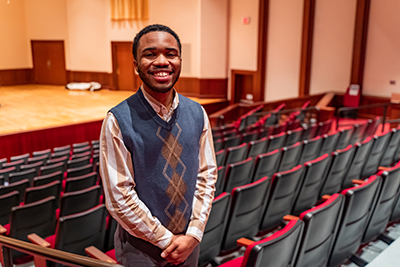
(179,249)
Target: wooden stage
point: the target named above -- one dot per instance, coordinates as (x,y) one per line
(37,117)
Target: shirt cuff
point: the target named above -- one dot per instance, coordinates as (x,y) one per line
(196,230)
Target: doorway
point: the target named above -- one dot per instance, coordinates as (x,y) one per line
(125,77)
(49,62)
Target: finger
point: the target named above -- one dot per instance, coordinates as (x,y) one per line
(168,250)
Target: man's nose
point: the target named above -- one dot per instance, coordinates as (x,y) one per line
(161,60)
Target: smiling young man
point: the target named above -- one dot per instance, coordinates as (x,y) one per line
(157,161)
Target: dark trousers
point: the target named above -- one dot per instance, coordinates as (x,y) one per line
(135,252)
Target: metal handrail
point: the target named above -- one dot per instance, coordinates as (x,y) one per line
(378,105)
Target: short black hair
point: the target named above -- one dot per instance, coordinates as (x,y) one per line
(154,28)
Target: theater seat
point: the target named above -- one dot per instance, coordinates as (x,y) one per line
(7,201)
(310,149)
(374,156)
(290,157)
(219,185)
(236,154)
(341,161)
(257,147)
(266,164)
(248,202)
(293,136)
(393,144)
(328,143)
(277,250)
(344,137)
(358,132)
(276,141)
(210,245)
(78,201)
(314,174)
(320,228)
(361,152)
(239,173)
(383,209)
(285,186)
(358,204)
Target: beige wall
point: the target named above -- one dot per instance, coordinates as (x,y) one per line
(332,46)
(213,39)
(14,46)
(383,49)
(243,37)
(283,49)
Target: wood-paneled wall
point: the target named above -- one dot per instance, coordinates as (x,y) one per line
(16,76)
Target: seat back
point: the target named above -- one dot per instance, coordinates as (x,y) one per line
(44,170)
(79,171)
(393,144)
(384,205)
(35,166)
(219,185)
(231,141)
(341,161)
(77,231)
(7,201)
(78,201)
(372,161)
(309,131)
(248,203)
(17,164)
(257,147)
(66,148)
(279,128)
(239,173)
(250,136)
(360,154)
(220,156)
(358,204)
(293,136)
(285,186)
(278,250)
(328,143)
(33,194)
(79,162)
(21,175)
(19,186)
(46,152)
(266,164)
(344,137)
(80,182)
(324,127)
(310,149)
(210,245)
(276,141)
(38,217)
(218,145)
(358,133)
(24,157)
(321,225)
(314,175)
(36,159)
(48,178)
(5,172)
(290,157)
(235,154)
(372,125)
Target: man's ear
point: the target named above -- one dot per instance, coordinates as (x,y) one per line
(135,65)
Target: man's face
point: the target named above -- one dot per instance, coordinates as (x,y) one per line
(158,61)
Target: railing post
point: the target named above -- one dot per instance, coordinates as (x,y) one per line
(384,119)
(5,256)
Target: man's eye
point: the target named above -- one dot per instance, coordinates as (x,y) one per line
(148,54)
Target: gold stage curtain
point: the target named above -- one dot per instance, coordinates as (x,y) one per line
(129,9)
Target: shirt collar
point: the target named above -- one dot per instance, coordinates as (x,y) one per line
(159,108)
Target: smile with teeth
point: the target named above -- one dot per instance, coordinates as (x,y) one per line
(161,74)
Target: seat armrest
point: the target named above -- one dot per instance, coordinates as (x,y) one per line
(95,253)
(289,217)
(326,197)
(383,168)
(357,181)
(3,230)
(35,239)
(244,242)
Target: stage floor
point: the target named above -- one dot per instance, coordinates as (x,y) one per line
(26,108)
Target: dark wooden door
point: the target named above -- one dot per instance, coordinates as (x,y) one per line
(124,72)
(49,62)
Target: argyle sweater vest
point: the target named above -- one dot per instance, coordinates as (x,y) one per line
(165,156)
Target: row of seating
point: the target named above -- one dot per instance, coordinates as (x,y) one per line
(333,230)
